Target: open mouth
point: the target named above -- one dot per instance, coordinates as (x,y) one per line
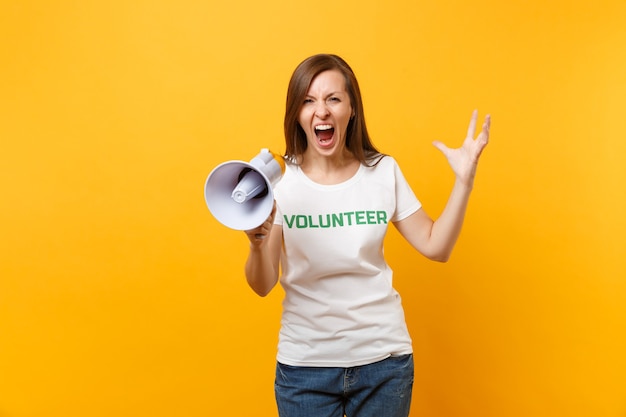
(324,133)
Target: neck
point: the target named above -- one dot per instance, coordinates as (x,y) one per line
(329,169)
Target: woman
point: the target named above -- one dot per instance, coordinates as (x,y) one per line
(344,347)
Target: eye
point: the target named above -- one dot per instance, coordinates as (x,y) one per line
(307,101)
(336,99)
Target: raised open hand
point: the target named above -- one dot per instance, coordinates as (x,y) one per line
(464,160)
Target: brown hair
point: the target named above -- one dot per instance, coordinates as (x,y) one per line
(357,139)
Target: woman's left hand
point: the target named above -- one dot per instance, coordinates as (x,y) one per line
(464,160)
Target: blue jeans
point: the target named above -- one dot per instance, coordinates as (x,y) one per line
(381,389)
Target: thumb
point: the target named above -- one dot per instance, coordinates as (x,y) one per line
(443,148)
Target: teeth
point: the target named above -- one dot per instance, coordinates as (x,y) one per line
(323,127)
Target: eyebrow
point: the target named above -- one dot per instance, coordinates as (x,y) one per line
(334,93)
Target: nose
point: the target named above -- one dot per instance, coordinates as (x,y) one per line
(321,110)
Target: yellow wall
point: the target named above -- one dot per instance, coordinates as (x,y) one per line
(120,295)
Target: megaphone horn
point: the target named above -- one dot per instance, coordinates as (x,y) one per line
(239,194)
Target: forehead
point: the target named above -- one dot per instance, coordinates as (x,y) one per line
(330,81)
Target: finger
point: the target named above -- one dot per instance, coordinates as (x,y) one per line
(442,147)
(471,129)
(270,219)
(257,233)
(483,138)
(264,229)
(486,127)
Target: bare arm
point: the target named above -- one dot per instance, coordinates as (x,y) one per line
(262,265)
(436,239)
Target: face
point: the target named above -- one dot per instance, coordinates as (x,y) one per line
(325,113)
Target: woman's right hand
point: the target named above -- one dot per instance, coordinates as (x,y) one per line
(257,235)
(262,265)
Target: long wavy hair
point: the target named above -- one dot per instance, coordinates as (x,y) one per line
(358,141)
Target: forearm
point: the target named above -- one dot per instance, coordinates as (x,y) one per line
(436,239)
(261,272)
(446,229)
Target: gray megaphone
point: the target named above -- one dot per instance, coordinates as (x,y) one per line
(239,194)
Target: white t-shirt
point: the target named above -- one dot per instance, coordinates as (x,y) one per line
(340,308)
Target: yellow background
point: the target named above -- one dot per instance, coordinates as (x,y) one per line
(120,295)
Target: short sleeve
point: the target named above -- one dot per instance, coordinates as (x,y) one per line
(406,201)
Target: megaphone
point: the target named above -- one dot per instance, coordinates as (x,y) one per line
(239,194)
